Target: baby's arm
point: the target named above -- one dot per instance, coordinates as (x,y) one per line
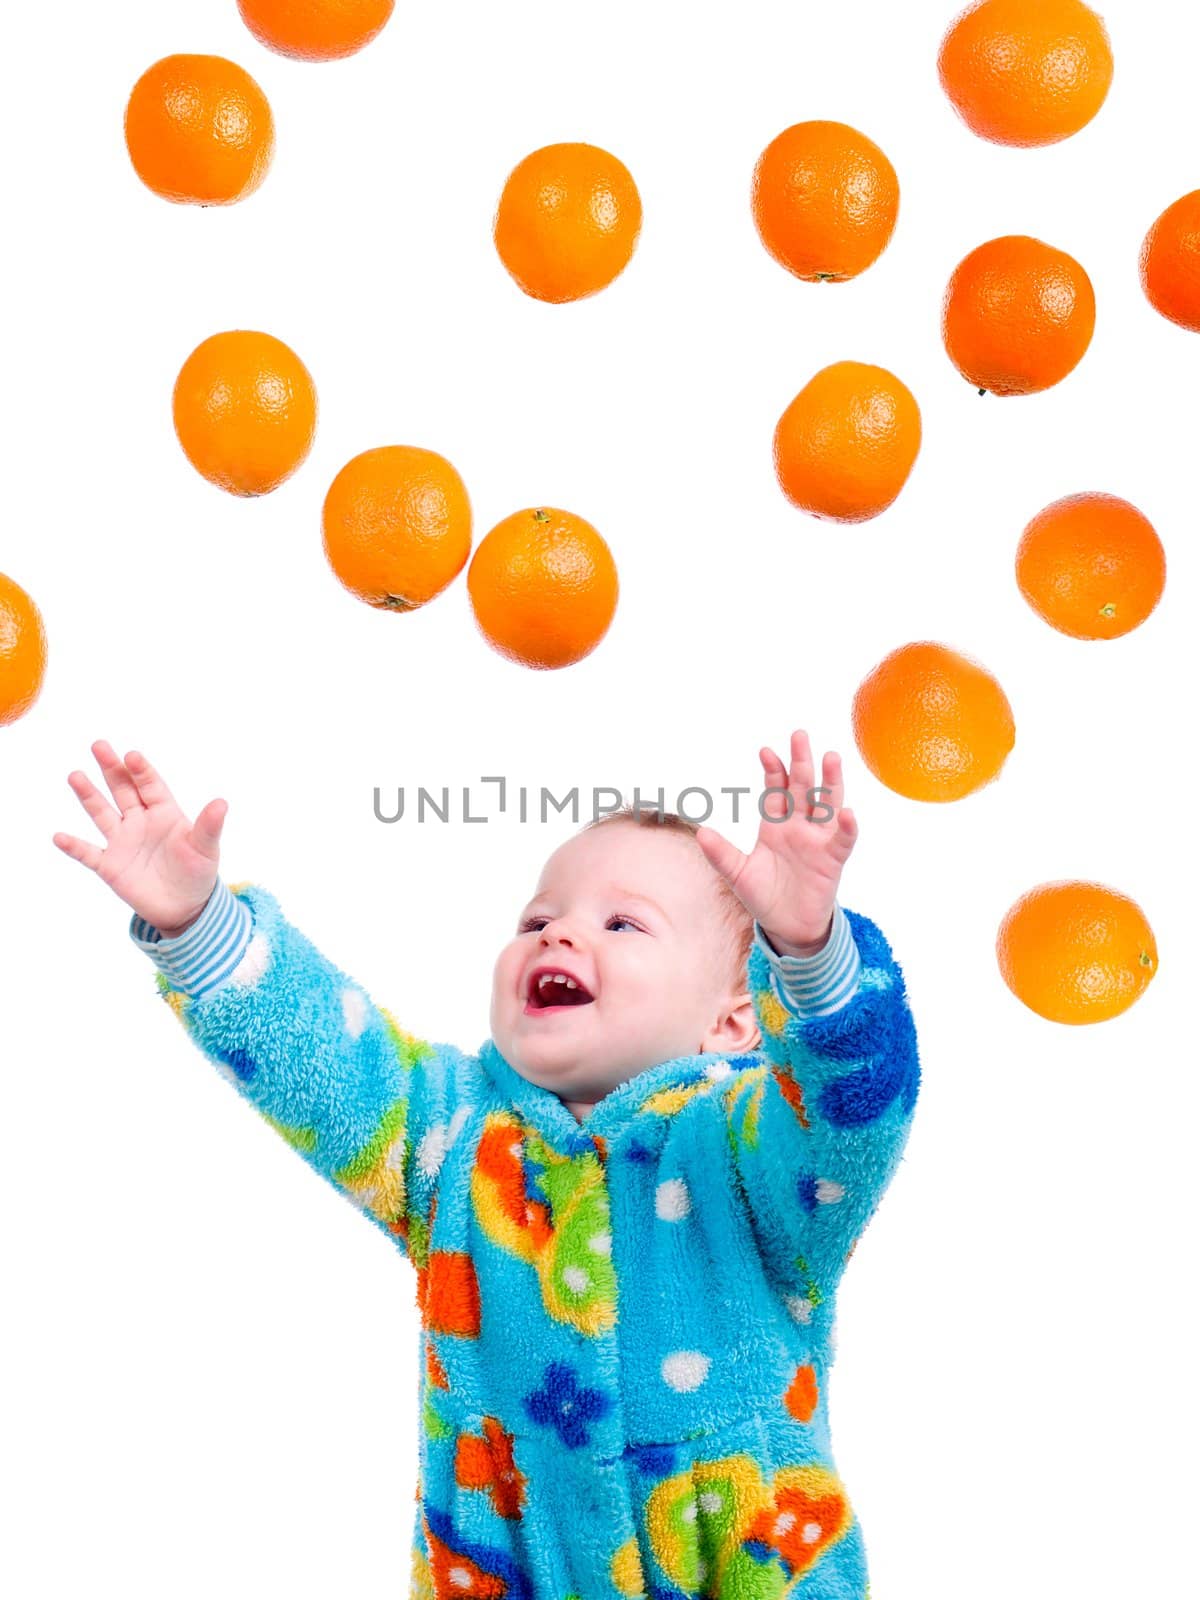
(370,1108)
(818,1134)
(305,1045)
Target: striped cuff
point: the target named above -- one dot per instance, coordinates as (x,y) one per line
(813,986)
(202,957)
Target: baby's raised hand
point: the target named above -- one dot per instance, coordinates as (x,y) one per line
(789,881)
(156,860)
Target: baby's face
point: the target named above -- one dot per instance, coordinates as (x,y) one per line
(633,916)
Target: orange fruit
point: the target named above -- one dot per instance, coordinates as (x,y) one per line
(245,411)
(1075,951)
(543,586)
(1092,566)
(846,444)
(315,30)
(932,724)
(22,651)
(396,526)
(199,130)
(1026,72)
(825,200)
(567,222)
(1170,262)
(1017,315)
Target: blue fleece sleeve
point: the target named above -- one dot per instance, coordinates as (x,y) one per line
(367,1105)
(818,1132)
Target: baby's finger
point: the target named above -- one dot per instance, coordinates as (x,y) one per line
(206,831)
(94,803)
(725,857)
(847,832)
(79,850)
(150,786)
(120,783)
(831,781)
(801,775)
(775,778)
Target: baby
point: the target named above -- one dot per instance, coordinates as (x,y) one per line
(628,1212)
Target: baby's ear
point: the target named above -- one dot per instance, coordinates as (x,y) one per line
(737,1030)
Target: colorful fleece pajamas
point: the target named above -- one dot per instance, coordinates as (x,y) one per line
(627,1323)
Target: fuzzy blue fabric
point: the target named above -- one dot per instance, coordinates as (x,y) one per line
(627,1323)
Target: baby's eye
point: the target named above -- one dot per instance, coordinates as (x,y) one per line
(532,923)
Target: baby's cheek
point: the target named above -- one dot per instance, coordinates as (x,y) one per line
(503,1009)
(505,974)
(655,1015)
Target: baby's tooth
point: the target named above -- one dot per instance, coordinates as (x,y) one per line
(571,984)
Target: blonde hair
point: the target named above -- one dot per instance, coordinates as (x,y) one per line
(739,924)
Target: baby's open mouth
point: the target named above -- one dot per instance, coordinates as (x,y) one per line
(552,987)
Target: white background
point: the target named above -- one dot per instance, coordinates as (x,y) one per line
(211,1358)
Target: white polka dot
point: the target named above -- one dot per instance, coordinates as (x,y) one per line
(685,1369)
(701,1571)
(829,1192)
(811,1532)
(689,1511)
(354,1011)
(711,1502)
(785,1523)
(461,1113)
(799,1307)
(672,1202)
(717,1070)
(431,1151)
(575,1278)
(253,964)
(600,1244)
(515,1147)
(461,1578)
